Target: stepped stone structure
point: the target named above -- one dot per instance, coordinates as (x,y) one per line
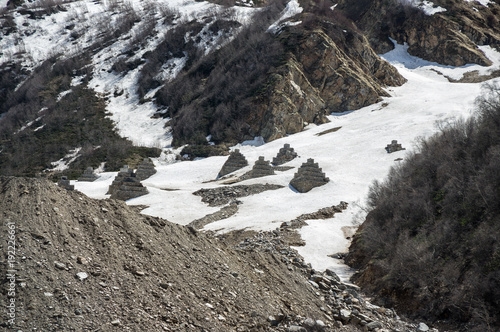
(393,147)
(88,175)
(145,169)
(126,185)
(261,168)
(308,176)
(235,161)
(64,183)
(285,154)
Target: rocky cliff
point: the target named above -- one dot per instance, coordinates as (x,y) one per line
(449,36)
(328,69)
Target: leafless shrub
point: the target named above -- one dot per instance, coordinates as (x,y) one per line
(438,215)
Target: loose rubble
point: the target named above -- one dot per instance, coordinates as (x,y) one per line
(223,195)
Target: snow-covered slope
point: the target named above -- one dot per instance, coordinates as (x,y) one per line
(352,157)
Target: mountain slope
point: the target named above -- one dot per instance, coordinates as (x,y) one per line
(82,264)
(189,69)
(430,244)
(446,32)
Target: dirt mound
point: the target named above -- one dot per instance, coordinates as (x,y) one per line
(87,265)
(84,265)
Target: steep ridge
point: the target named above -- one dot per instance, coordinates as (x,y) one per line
(329,69)
(143,271)
(273,82)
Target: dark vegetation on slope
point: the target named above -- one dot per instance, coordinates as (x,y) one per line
(213,91)
(78,119)
(431,244)
(223,93)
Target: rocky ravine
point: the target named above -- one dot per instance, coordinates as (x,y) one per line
(88,265)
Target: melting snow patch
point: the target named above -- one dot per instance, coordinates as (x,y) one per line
(62,94)
(429,8)
(482,2)
(292,8)
(400,57)
(63,163)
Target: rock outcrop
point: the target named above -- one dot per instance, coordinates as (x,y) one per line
(285,154)
(323,74)
(145,169)
(234,162)
(88,175)
(449,37)
(308,176)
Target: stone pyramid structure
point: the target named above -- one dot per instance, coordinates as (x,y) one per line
(285,154)
(393,147)
(88,175)
(64,183)
(145,169)
(308,176)
(261,168)
(126,185)
(235,161)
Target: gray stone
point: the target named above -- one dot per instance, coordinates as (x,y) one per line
(145,169)
(320,324)
(309,323)
(126,185)
(234,162)
(60,266)
(393,147)
(373,325)
(345,315)
(64,183)
(88,175)
(308,176)
(295,328)
(285,154)
(260,168)
(332,274)
(422,327)
(82,275)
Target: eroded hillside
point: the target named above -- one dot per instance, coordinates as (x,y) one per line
(82,264)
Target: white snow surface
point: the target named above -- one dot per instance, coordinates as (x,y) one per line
(352,157)
(292,8)
(428,7)
(482,2)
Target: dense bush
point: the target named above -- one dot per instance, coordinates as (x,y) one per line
(431,244)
